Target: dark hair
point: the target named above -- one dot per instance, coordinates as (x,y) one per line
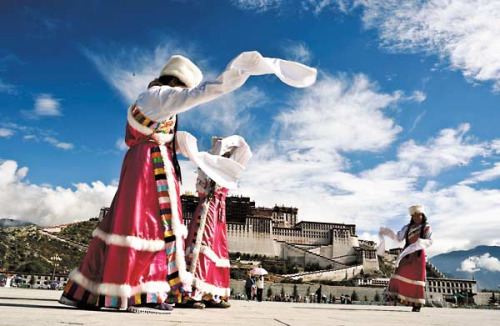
(177,167)
(422,228)
(167,81)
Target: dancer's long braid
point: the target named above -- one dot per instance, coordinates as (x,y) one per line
(175,162)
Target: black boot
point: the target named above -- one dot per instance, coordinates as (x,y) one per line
(416,309)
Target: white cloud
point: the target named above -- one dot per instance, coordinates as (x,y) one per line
(305,165)
(257,5)
(45,205)
(463,33)
(417,96)
(339,114)
(121,145)
(495,146)
(58,144)
(298,51)
(7,88)
(318,6)
(485,175)
(230,114)
(416,121)
(35,134)
(450,149)
(302,164)
(47,105)
(129,72)
(476,263)
(6,133)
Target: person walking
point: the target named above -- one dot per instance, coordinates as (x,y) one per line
(260,287)
(249,284)
(319,294)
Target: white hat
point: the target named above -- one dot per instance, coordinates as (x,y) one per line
(184,69)
(416,209)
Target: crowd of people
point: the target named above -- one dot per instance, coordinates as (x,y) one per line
(253,292)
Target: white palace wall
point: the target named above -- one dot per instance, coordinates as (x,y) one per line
(240,238)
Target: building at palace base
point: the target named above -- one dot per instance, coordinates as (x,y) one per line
(275,232)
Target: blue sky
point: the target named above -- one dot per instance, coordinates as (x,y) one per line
(405,110)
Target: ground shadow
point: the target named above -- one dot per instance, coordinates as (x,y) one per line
(27,299)
(36,306)
(354,309)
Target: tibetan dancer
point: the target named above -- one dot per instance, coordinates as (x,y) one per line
(407,284)
(136,257)
(207,255)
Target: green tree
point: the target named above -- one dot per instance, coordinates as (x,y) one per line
(269,292)
(282,292)
(32,280)
(354,296)
(33,266)
(376,298)
(493,300)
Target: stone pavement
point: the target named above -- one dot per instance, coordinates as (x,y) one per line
(40,307)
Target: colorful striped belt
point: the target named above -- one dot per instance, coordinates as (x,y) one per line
(164,127)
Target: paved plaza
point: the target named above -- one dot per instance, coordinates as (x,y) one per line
(40,307)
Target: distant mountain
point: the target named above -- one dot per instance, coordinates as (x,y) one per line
(486,277)
(8,222)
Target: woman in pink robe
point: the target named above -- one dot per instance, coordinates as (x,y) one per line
(137,256)
(207,255)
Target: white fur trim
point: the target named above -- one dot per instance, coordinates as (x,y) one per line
(402,297)
(178,228)
(162,139)
(184,231)
(210,254)
(136,125)
(211,289)
(184,69)
(199,236)
(407,280)
(164,200)
(124,291)
(416,209)
(129,241)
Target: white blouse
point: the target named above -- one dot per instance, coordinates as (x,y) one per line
(163,102)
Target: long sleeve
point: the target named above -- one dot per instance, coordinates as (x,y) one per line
(402,233)
(168,101)
(224,171)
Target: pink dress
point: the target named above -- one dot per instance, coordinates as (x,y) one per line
(206,245)
(137,253)
(407,284)
(207,255)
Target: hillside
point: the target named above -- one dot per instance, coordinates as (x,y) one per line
(449,263)
(29,248)
(79,232)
